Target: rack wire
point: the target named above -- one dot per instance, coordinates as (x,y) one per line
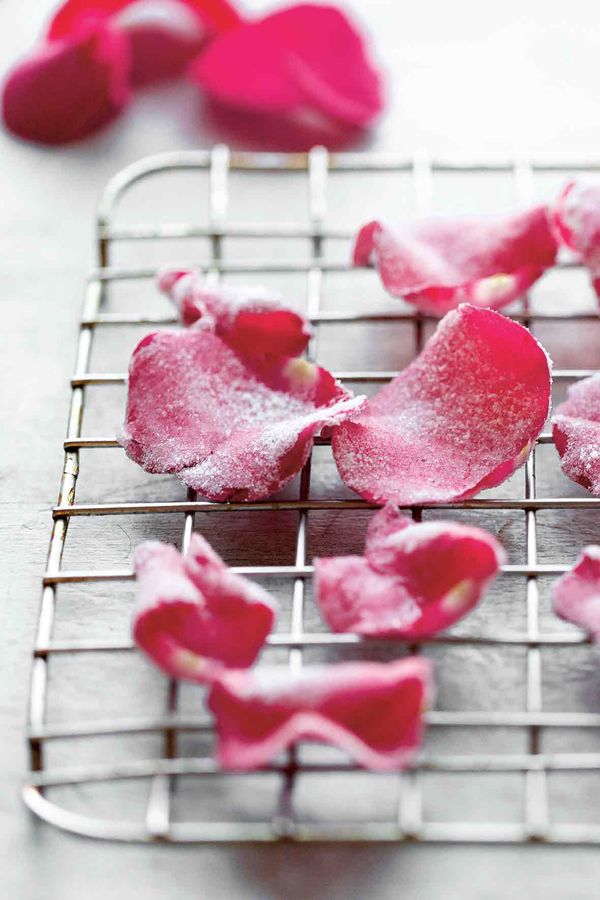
(162,774)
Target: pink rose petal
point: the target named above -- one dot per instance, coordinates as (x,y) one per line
(229,427)
(252,321)
(68,88)
(307,55)
(372,711)
(461,418)
(438,263)
(217,15)
(576,216)
(576,433)
(413,581)
(194,615)
(576,594)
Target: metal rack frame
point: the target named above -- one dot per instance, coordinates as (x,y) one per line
(160,773)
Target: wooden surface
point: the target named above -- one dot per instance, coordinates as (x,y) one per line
(547,101)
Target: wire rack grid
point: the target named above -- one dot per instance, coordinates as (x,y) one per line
(163,772)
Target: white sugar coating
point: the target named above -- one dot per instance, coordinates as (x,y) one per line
(312,684)
(576,426)
(474,399)
(196,408)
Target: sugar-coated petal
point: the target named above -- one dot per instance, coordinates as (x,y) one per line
(576,217)
(461,418)
(253,321)
(307,55)
(438,263)
(576,594)
(68,88)
(230,427)
(413,581)
(576,433)
(194,616)
(372,711)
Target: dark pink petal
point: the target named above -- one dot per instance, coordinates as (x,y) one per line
(251,320)
(159,53)
(576,216)
(307,55)
(576,433)
(576,594)
(68,89)
(231,428)
(438,263)
(413,581)
(217,15)
(462,417)
(194,615)
(372,711)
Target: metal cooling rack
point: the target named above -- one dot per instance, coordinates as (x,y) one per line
(160,774)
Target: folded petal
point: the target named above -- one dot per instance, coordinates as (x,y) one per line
(194,616)
(462,417)
(251,320)
(68,88)
(230,427)
(412,582)
(372,711)
(438,263)
(576,433)
(576,216)
(307,55)
(576,594)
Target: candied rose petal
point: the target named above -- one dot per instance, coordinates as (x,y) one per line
(251,320)
(438,263)
(307,55)
(576,216)
(372,711)
(461,418)
(576,433)
(229,427)
(194,615)
(413,581)
(576,594)
(67,89)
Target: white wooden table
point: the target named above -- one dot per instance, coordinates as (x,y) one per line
(528,82)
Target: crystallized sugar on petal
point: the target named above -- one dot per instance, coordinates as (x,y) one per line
(461,418)
(372,711)
(413,581)
(576,433)
(576,217)
(576,594)
(233,429)
(194,615)
(253,321)
(438,263)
